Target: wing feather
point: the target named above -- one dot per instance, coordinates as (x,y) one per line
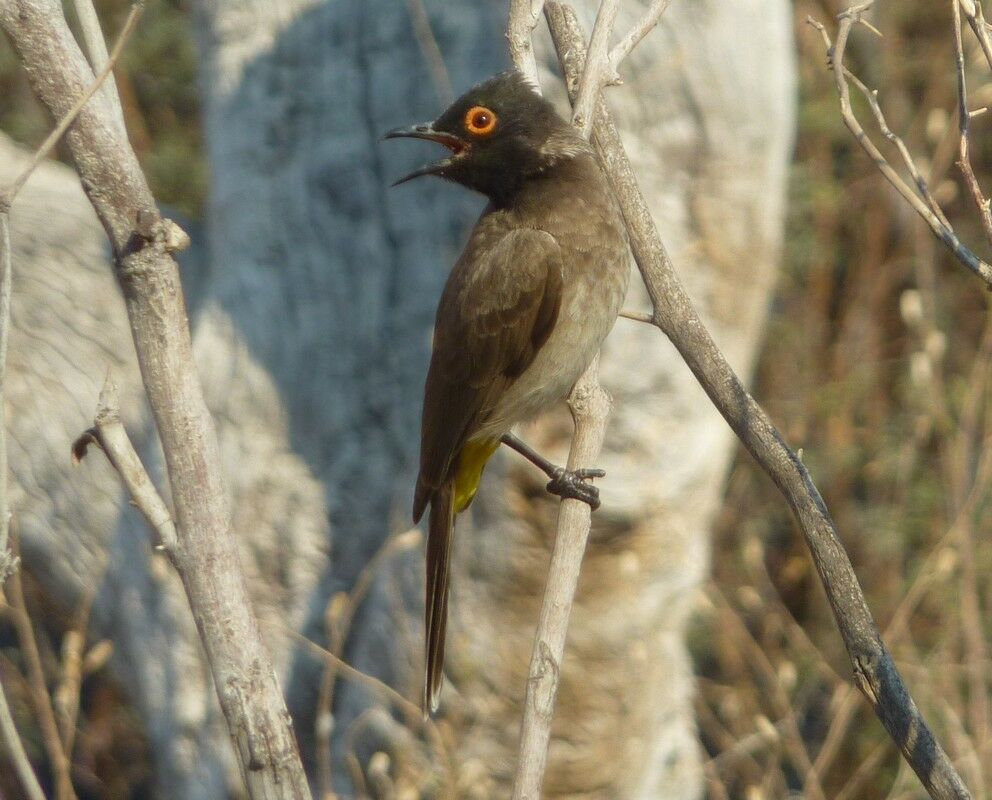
(498,308)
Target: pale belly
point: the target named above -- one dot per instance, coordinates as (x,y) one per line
(587,316)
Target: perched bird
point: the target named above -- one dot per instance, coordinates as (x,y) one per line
(525,309)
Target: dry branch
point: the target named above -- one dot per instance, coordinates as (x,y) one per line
(964,119)
(590,406)
(206,554)
(874,671)
(15,752)
(922,205)
(109,435)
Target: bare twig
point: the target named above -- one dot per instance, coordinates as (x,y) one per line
(7,563)
(109,435)
(386,694)
(40,698)
(432,53)
(590,407)
(206,553)
(523,18)
(964,118)
(874,671)
(640,29)
(638,316)
(339,615)
(943,231)
(15,751)
(6,198)
(598,68)
(96,49)
(976,19)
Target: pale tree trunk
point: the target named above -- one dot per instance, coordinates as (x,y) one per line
(312,339)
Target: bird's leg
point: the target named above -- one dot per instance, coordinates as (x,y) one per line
(564,482)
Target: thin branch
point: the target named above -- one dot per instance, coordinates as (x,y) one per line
(944,232)
(109,435)
(15,751)
(96,49)
(523,18)
(975,15)
(964,118)
(7,197)
(206,555)
(432,53)
(598,69)
(874,671)
(339,614)
(871,96)
(590,407)
(40,698)
(638,316)
(7,562)
(640,29)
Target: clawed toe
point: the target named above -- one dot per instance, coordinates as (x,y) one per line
(572,484)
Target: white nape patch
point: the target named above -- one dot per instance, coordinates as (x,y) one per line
(561,146)
(529,82)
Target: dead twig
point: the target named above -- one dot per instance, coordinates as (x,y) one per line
(339,614)
(40,698)
(206,553)
(7,197)
(109,435)
(964,119)
(523,18)
(15,751)
(96,49)
(674,314)
(921,204)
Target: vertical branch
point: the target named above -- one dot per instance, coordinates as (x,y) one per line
(523,18)
(597,68)
(590,406)
(206,554)
(964,119)
(15,751)
(7,563)
(96,49)
(40,698)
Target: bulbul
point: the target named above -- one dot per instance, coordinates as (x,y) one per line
(525,309)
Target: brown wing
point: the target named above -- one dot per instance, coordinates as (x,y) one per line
(497,310)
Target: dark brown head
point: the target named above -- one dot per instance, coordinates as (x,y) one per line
(499,133)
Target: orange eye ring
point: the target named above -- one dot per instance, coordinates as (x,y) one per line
(480,121)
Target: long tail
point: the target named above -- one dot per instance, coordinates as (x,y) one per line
(440,525)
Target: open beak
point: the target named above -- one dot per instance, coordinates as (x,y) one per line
(426,131)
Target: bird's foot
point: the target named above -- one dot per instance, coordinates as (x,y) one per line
(572,484)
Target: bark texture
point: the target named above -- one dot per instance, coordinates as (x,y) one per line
(312,337)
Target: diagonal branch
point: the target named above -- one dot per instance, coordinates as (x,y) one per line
(942,230)
(7,197)
(874,671)
(206,553)
(964,119)
(109,435)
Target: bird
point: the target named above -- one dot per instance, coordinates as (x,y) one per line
(524,311)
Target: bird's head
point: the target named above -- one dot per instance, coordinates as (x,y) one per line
(499,133)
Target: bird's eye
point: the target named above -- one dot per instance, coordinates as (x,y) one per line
(480,121)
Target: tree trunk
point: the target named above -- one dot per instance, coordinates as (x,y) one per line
(312,338)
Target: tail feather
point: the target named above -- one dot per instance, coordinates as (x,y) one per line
(440,527)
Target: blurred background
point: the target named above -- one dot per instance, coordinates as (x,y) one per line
(874,359)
